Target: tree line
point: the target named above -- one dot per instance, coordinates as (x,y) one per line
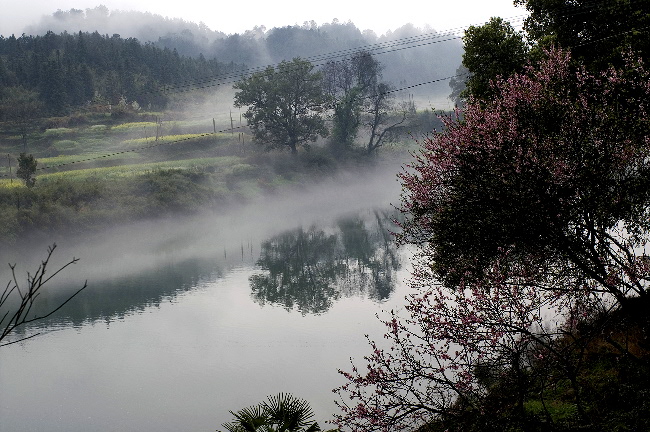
(56,73)
(260,46)
(287,105)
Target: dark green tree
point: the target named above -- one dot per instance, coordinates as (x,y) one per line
(281,413)
(27,169)
(284,104)
(492,50)
(596,31)
(20,107)
(349,83)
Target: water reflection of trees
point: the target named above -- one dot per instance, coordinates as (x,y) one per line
(309,269)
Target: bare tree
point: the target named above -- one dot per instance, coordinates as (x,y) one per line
(383,117)
(17,303)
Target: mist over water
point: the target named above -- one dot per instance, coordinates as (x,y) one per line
(186,319)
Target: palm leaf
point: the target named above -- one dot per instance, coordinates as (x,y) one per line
(247,419)
(288,412)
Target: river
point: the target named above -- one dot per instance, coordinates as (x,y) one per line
(184,320)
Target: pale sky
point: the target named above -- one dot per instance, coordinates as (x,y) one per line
(232,16)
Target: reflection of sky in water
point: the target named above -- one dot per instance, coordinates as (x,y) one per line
(167,336)
(183,364)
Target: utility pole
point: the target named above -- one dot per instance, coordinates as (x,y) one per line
(11,179)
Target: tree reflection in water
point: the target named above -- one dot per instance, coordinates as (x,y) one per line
(308,270)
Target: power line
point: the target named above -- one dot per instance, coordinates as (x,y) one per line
(517,21)
(202,135)
(326,57)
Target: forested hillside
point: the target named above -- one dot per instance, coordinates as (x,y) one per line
(410,55)
(64,71)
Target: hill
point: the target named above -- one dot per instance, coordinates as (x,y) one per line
(410,55)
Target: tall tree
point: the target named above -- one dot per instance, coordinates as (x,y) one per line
(284,104)
(492,50)
(530,218)
(348,83)
(595,30)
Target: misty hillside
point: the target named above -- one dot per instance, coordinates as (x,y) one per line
(410,56)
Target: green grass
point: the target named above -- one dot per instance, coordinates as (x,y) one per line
(133,170)
(165,139)
(131,126)
(97,171)
(57,132)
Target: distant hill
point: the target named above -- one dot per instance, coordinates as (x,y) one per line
(410,55)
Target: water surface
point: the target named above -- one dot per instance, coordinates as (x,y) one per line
(188,319)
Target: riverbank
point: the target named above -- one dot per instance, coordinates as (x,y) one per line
(94,176)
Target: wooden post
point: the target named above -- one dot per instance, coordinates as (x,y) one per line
(214,125)
(232,125)
(11,179)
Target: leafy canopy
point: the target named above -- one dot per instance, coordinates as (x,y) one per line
(491,50)
(285,105)
(27,169)
(532,210)
(546,170)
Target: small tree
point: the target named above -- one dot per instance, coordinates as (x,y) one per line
(383,119)
(27,169)
(284,104)
(281,413)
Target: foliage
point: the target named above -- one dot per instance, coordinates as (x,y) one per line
(284,104)
(17,301)
(457,85)
(280,413)
(27,169)
(596,31)
(349,83)
(308,270)
(556,169)
(533,213)
(492,50)
(19,104)
(76,69)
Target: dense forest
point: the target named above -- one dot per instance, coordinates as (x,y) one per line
(410,55)
(70,70)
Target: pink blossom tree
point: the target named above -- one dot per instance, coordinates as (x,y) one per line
(530,215)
